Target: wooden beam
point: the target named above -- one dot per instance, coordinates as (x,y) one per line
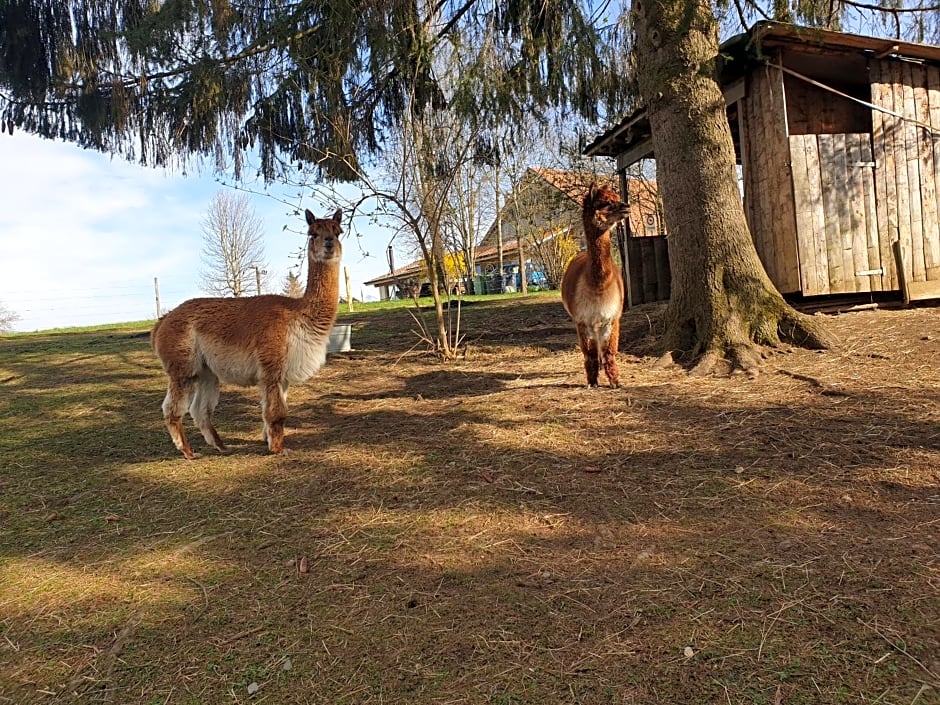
(643,150)
(734,92)
(919,291)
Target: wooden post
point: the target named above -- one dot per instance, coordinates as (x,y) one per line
(624,233)
(523,278)
(156,294)
(349,301)
(902,273)
(499,234)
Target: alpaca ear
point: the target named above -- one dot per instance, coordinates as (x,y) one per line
(338,215)
(309,216)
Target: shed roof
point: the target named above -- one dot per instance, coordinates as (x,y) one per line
(748,49)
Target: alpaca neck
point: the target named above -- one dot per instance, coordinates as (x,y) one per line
(598,247)
(322,286)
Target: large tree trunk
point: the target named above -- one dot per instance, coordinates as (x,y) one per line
(723,304)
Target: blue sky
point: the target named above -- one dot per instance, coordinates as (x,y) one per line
(82,235)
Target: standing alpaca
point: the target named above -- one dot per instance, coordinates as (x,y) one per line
(592,287)
(270,341)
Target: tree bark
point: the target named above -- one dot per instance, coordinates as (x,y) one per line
(723,305)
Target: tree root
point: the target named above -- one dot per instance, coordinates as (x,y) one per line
(733,350)
(805,331)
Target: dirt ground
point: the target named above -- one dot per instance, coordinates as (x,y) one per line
(490,530)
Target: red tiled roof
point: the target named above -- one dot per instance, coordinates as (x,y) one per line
(574,184)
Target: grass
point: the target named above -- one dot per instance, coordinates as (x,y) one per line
(487,531)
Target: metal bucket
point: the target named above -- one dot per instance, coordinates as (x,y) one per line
(340,338)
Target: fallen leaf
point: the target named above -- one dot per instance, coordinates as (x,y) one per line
(486,476)
(112,517)
(688,652)
(590,468)
(303,568)
(253,688)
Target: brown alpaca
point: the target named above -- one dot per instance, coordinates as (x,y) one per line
(592,287)
(270,341)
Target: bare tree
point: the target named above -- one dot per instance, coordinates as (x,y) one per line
(7,319)
(293,287)
(233,251)
(470,207)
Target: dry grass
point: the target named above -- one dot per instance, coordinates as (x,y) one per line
(483,532)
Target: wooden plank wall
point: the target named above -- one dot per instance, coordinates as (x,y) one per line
(648,269)
(812,110)
(768,190)
(907,179)
(835,213)
(810,216)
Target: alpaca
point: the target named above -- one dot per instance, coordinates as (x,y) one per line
(270,341)
(592,287)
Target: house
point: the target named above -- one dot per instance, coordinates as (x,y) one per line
(838,139)
(544,212)
(414,277)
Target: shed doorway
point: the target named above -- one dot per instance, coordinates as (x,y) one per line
(836,220)
(832,169)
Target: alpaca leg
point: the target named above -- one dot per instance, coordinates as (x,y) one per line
(609,358)
(264,427)
(205,399)
(274,413)
(589,351)
(174,407)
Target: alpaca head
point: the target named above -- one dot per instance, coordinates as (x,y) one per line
(323,244)
(603,209)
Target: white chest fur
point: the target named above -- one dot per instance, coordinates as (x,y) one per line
(597,314)
(306,354)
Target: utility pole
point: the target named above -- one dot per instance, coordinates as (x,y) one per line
(258,273)
(156,294)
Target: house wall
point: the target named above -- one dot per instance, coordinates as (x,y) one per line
(768,188)
(907,178)
(646,212)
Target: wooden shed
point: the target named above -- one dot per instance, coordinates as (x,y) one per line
(838,139)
